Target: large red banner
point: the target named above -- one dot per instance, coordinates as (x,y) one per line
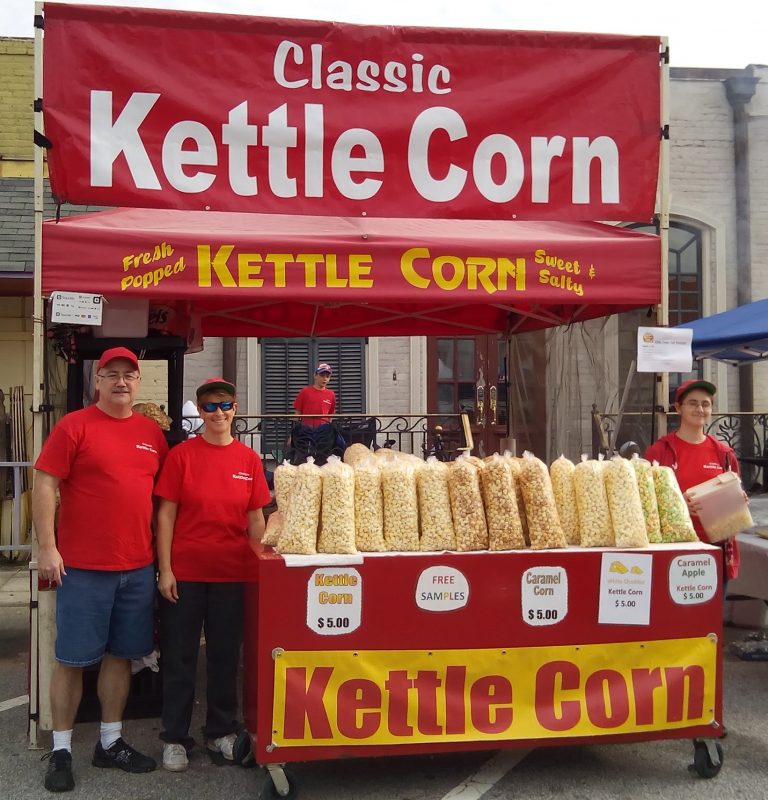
(202,111)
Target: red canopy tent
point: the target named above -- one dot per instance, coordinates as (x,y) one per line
(282,275)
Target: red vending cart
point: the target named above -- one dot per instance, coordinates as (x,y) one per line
(421,653)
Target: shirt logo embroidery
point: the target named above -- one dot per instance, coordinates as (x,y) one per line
(242,476)
(146,446)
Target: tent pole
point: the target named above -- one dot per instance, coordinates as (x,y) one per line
(40,667)
(662,311)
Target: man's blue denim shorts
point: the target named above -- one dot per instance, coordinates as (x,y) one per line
(100,612)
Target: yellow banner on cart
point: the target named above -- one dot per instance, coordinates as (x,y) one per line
(405,696)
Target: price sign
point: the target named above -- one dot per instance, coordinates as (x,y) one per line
(692,579)
(334,600)
(544,595)
(625,589)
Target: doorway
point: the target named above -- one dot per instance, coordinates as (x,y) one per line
(501,385)
(468,375)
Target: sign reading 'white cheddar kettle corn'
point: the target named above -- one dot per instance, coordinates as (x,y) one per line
(625,589)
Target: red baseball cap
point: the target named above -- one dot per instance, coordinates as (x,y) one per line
(694,383)
(118,352)
(323,367)
(216,385)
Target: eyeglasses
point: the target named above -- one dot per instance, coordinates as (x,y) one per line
(224,405)
(128,377)
(705,405)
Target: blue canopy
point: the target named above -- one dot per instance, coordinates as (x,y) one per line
(739,336)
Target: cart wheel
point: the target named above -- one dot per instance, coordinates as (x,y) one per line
(242,754)
(707,758)
(270,791)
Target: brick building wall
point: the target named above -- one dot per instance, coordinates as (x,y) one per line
(16,90)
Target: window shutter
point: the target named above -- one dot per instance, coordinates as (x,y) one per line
(347,357)
(285,365)
(288,365)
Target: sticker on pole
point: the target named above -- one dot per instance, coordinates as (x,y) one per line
(334,600)
(544,595)
(76,308)
(625,589)
(692,579)
(442,589)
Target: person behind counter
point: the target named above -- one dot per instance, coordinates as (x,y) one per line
(103,460)
(317,398)
(696,456)
(212,491)
(315,435)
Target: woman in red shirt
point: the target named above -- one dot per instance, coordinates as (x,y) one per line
(696,456)
(212,491)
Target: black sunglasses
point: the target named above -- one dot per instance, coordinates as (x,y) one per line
(224,405)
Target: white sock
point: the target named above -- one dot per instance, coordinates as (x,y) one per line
(62,740)
(110,733)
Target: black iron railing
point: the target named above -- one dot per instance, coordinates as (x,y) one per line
(745,431)
(442,435)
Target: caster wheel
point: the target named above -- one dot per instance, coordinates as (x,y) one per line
(707,759)
(269,791)
(242,754)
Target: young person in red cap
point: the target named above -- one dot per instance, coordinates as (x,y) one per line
(103,460)
(314,434)
(317,398)
(696,456)
(212,491)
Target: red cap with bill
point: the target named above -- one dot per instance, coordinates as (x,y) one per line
(118,352)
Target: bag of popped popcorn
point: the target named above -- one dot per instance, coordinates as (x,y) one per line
(647,497)
(435,507)
(401,505)
(302,516)
(561,473)
(592,504)
(624,503)
(337,514)
(355,453)
(505,530)
(675,519)
(544,525)
(284,476)
(275,524)
(517,466)
(369,506)
(467,505)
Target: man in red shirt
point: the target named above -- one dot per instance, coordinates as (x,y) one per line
(317,399)
(102,460)
(696,456)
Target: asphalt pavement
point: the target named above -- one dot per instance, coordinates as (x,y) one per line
(648,769)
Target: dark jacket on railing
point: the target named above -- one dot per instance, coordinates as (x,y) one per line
(663,451)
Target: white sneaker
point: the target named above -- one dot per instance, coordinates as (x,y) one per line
(175,757)
(223,745)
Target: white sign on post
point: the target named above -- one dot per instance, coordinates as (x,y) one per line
(76,308)
(664,349)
